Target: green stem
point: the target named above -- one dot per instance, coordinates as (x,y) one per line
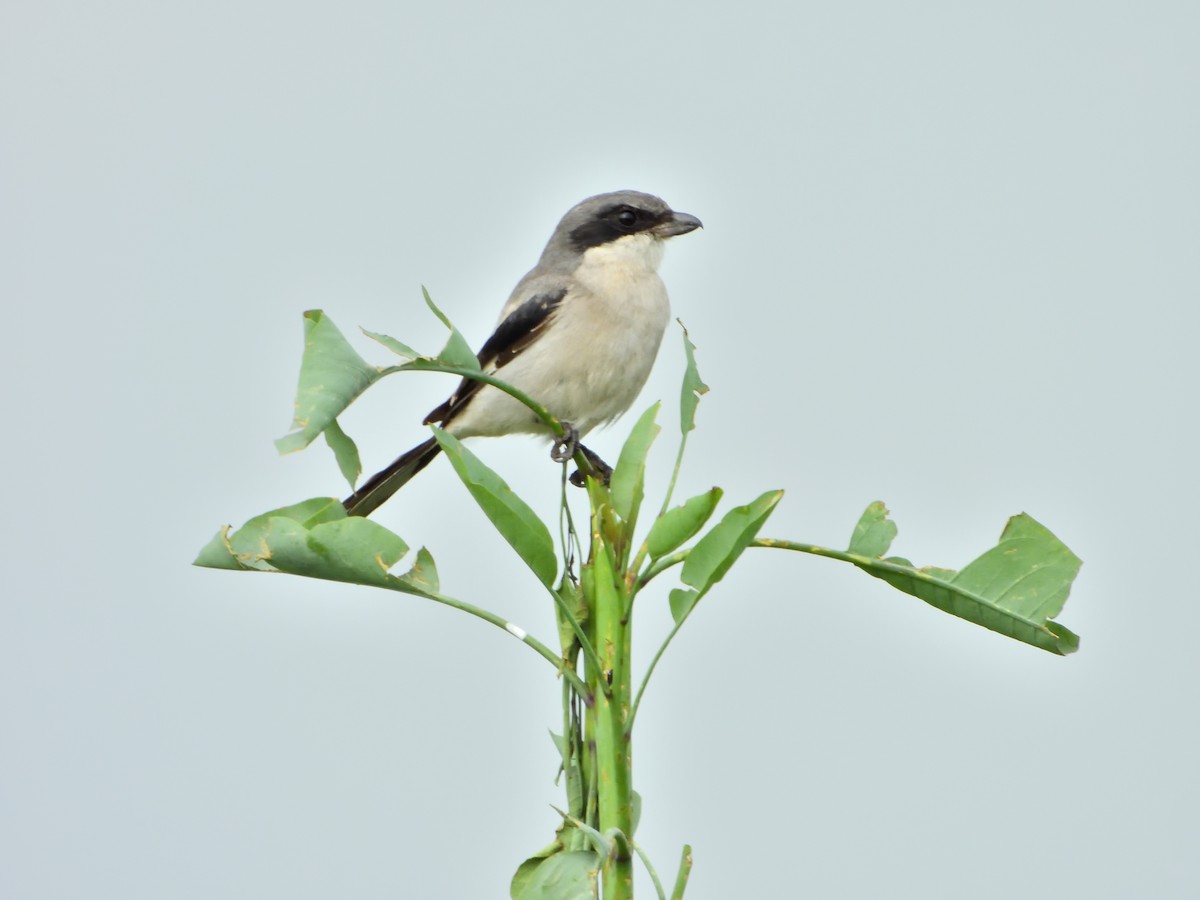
(572,549)
(556,428)
(592,806)
(421,365)
(589,652)
(658,888)
(637,702)
(662,565)
(573,754)
(674,474)
(679,556)
(674,559)
(828,552)
(613,759)
(519,633)
(685,869)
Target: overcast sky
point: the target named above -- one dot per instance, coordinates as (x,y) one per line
(950,261)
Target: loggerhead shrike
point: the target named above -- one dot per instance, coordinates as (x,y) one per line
(579,334)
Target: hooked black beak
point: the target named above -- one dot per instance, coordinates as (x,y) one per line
(679,223)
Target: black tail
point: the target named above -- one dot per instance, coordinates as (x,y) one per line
(379,487)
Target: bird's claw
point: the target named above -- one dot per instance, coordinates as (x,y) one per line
(564,448)
(567,446)
(600,470)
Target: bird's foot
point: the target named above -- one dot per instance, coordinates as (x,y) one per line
(600,470)
(564,448)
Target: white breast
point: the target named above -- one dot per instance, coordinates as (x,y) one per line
(594,357)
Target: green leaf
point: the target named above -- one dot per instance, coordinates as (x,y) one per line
(332,375)
(424,574)
(561,876)
(600,843)
(457,351)
(693,387)
(1030,571)
(626,486)
(248,544)
(680,524)
(682,602)
(570,767)
(344,451)
(525,870)
(523,876)
(221,553)
(874,533)
(354,550)
(573,599)
(314,511)
(1015,588)
(575,787)
(400,349)
(217,554)
(317,539)
(713,554)
(511,516)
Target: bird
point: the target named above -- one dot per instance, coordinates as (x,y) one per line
(579,334)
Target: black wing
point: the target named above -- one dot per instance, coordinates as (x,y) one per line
(519,329)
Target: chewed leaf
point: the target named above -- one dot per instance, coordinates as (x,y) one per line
(355,550)
(345,451)
(217,553)
(424,574)
(682,601)
(566,875)
(307,512)
(1029,572)
(457,351)
(693,387)
(332,375)
(317,539)
(1015,588)
(874,533)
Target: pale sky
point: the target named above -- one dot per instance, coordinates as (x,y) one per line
(949,262)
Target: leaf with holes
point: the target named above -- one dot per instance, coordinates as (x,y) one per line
(1016,588)
(332,375)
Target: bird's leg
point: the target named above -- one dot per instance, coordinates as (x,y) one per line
(599,469)
(564,448)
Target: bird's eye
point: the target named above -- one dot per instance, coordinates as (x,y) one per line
(627,218)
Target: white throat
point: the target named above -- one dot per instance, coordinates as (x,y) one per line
(640,253)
